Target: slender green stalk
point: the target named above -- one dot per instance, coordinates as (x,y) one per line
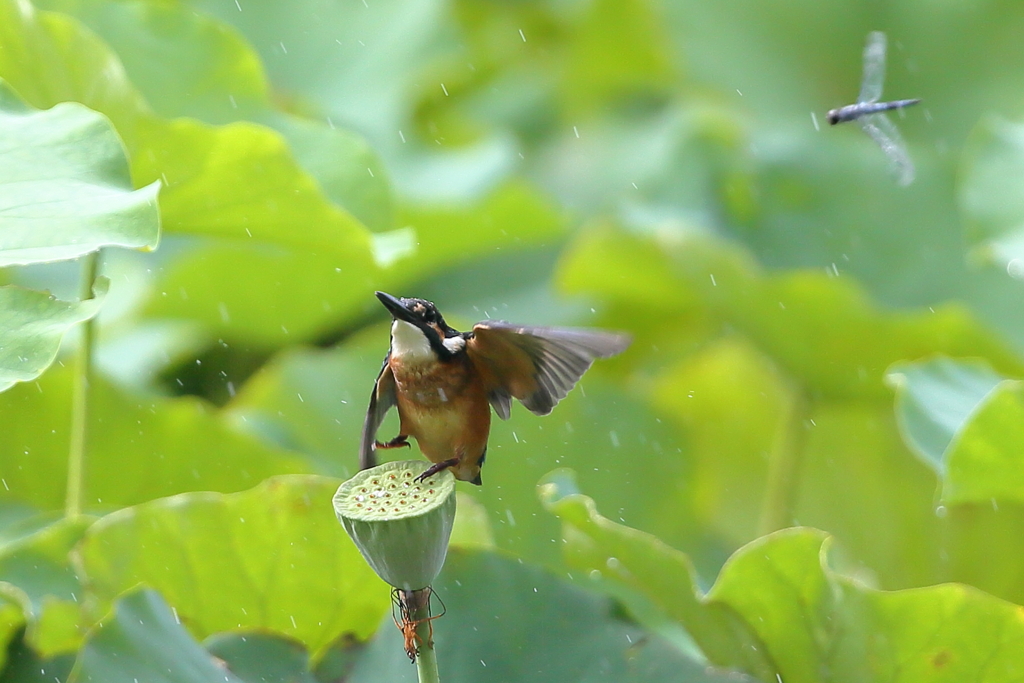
(79,396)
(426,659)
(784,467)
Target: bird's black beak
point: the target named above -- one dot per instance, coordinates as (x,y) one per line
(397,309)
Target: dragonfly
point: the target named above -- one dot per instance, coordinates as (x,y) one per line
(870,113)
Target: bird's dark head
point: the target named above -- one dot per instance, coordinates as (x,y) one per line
(423,316)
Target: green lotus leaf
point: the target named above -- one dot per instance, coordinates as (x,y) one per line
(32,325)
(272,557)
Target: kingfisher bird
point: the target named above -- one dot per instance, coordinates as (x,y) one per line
(445,382)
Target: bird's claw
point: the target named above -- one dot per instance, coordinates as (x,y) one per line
(396,442)
(435,468)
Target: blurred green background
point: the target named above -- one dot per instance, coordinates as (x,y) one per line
(663,168)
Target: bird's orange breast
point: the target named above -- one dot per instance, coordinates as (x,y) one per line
(444,407)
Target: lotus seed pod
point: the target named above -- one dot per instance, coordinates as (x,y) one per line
(400,525)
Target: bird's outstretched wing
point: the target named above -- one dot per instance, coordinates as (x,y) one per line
(537,365)
(382,399)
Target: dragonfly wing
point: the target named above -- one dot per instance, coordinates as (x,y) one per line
(885,134)
(874,68)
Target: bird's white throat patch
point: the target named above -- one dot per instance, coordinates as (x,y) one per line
(409,343)
(454,344)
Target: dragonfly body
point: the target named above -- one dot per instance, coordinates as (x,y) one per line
(870,113)
(852,112)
